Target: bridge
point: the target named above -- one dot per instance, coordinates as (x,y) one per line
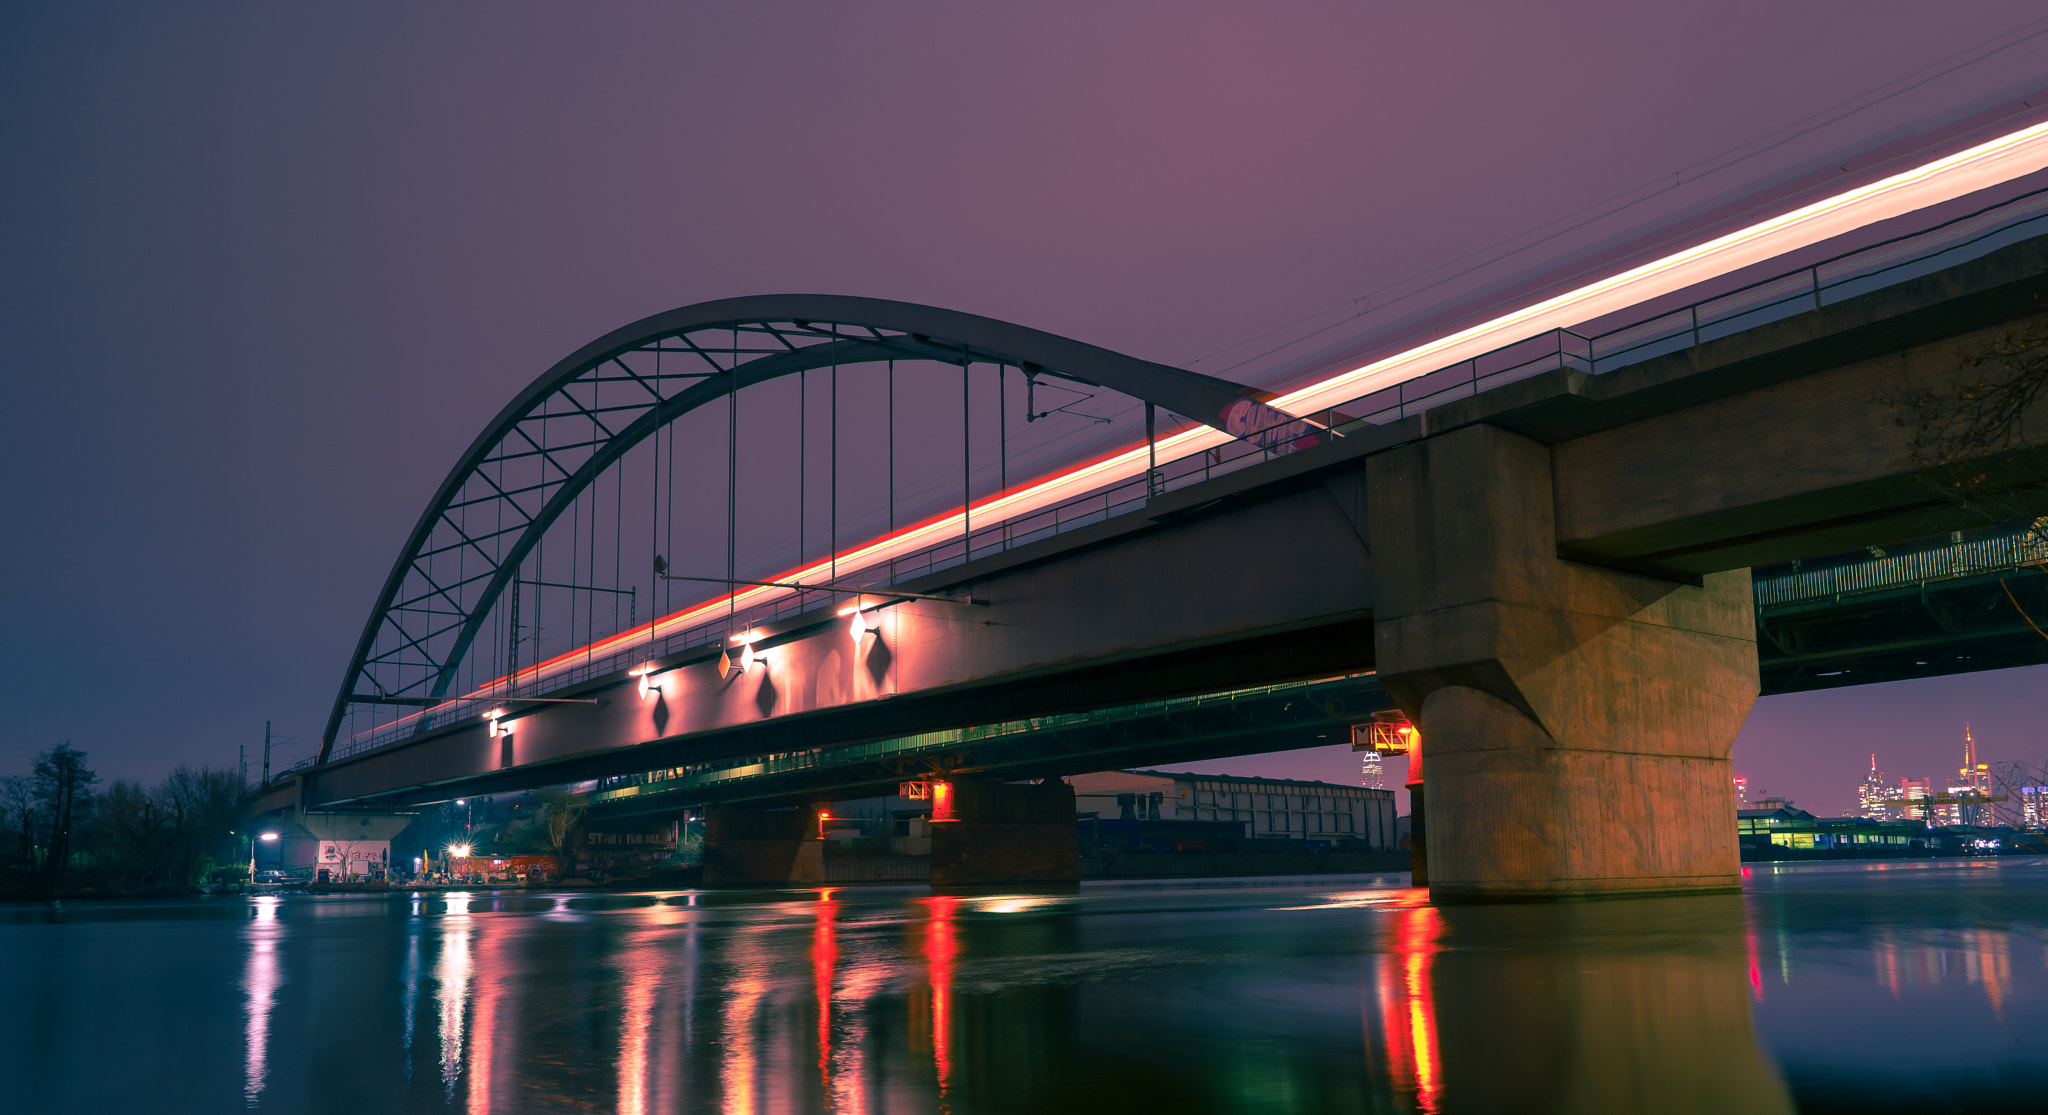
(1536,537)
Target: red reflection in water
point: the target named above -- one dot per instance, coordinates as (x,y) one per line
(1756,972)
(1407,1002)
(824,963)
(941,948)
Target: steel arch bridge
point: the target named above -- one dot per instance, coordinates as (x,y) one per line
(550,445)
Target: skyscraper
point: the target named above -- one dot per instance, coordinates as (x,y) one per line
(1973,780)
(1872,793)
(1741,792)
(1374,777)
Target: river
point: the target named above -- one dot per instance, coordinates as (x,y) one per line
(1902,986)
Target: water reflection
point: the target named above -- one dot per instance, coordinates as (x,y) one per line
(263,974)
(941,950)
(1640,1005)
(1899,990)
(1408,1015)
(452,972)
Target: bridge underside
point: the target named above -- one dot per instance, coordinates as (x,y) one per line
(1928,628)
(1183,730)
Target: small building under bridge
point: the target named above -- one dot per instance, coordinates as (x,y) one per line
(1268,808)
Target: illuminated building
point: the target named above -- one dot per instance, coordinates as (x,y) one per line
(1872,794)
(1741,792)
(1913,790)
(1374,778)
(1973,779)
(2034,807)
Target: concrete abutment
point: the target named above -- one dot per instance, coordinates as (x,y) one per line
(1007,835)
(1577,719)
(762,848)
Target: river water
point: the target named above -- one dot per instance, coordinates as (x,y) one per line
(1894,987)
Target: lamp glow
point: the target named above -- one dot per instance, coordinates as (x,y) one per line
(459,851)
(268,838)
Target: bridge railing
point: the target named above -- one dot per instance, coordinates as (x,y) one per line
(1837,278)
(1972,558)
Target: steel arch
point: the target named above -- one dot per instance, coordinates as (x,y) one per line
(805,331)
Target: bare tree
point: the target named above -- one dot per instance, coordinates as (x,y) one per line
(1974,440)
(63,790)
(135,834)
(18,804)
(563,812)
(205,803)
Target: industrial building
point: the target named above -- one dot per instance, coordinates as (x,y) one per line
(1267,808)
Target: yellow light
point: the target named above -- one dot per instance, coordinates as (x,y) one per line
(459,851)
(749,637)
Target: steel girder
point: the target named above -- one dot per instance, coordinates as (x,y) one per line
(617,390)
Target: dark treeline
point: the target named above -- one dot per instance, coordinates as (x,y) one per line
(62,832)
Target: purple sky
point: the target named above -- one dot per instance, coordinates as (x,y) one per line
(271,267)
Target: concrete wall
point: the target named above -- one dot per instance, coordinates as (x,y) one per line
(1574,721)
(1008,835)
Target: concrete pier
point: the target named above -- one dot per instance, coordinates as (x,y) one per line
(1577,719)
(762,848)
(1007,835)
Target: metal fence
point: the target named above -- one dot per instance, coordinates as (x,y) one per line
(1893,571)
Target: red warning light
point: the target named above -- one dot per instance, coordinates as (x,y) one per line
(1390,733)
(942,802)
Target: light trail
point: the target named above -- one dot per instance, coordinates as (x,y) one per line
(1987,164)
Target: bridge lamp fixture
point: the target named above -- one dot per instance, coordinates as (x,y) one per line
(459,851)
(741,660)
(268,838)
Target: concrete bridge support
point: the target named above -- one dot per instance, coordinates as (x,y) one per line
(1577,719)
(762,848)
(1007,835)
